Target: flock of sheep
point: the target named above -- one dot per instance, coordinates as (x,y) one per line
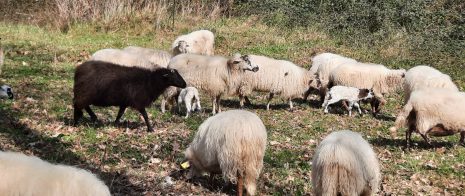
(233,142)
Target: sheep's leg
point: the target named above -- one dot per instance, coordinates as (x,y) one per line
(163,105)
(121,111)
(188,109)
(462,137)
(291,106)
(218,103)
(345,105)
(240,184)
(426,138)
(146,119)
(179,104)
(358,108)
(92,115)
(270,97)
(351,105)
(77,115)
(247,100)
(330,102)
(214,105)
(241,101)
(408,137)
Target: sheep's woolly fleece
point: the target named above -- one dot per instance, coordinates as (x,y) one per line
(234,141)
(29,175)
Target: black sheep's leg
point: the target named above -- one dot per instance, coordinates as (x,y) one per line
(121,111)
(146,118)
(77,115)
(92,115)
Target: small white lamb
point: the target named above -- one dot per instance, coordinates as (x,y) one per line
(190,97)
(349,95)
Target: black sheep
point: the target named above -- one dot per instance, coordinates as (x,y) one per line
(106,84)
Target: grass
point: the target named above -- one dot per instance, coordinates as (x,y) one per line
(40,66)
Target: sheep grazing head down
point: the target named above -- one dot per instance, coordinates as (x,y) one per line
(6,92)
(173,78)
(243,62)
(182,46)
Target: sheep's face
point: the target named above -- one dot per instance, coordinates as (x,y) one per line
(365,94)
(183,47)
(173,78)
(6,92)
(243,62)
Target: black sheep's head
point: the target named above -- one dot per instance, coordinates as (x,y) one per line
(173,78)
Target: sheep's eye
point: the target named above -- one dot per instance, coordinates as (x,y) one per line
(236,62)
(165,75)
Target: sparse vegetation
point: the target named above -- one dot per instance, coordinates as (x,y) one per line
(39,64)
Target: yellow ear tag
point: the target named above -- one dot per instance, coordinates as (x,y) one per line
(185,165)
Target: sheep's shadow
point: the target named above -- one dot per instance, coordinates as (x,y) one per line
(384,117)
(213,184)
(416,144)
(54,150)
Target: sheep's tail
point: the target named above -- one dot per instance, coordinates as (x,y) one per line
(401,119)
(337,171)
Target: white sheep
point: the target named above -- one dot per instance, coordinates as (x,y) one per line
(432,111)
(123,58)
(190,97)
(345,164)
(29,175)
(322,65)
(216,75)
(157,57)
(348,95)
(196,42)
(232,143)
(370,76)
(422,76)
(6,92)
(276,77)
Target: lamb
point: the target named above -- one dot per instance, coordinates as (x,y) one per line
(123,58)
(156,57)
(346,94)
(216,75)
(322,65)
(433,111)
(422,76)
(370,76)
(197,42)
(107,84)
(6,92)
(276,77)
(29,175)
(232,143)
(345,164)
(190,97)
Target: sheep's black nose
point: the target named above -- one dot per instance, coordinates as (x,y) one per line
(255,69)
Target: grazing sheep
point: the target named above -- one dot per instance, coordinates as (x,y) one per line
(29,175)
(345,164)
(123,58)
(6,92)
(197,42)
(276,77)
(106,84)
(216,75)
(370,76)
(433,111)
(348,95)
(232,143)
(156,57)
(322,65)
(190,97)
(422,76)
(169,96)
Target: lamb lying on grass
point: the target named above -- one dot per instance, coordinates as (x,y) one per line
(345,164)
(348,95)
(190,97)
(28,175)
